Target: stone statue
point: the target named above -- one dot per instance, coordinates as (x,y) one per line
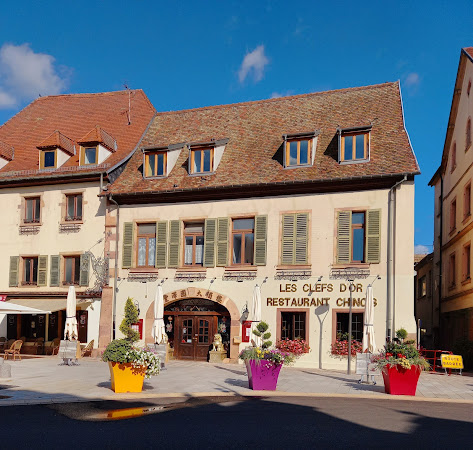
(218,353)
(217,343)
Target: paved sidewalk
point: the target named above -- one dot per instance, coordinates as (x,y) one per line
(36,381)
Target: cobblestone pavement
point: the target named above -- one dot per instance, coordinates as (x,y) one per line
(36,381)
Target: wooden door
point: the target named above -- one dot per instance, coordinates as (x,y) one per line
(194,337)
(82,318)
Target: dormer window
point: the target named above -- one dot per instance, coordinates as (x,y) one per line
(155,164)
(88,155)
(354,145)
(96,146)
(299,149)
(202,160)
(48,159)
(55,150)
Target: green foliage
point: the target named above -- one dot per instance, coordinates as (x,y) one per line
(118,351)
(401,334)
(263,333)
(400,355)
(131,317)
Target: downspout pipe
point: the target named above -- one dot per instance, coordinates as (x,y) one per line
(390,265)
(115,275)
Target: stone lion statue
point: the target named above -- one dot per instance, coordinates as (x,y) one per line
(217,343)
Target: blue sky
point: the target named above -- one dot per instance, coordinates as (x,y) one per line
(188,54)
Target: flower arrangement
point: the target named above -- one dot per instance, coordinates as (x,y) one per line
(340,347)
(297,346)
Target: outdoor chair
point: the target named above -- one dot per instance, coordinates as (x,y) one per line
(87,350)
(14,350)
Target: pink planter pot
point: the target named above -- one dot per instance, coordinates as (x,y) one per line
(262,375)
(400,381)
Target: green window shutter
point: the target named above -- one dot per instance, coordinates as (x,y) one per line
(174,241)
(42,270)
(222,241)
(288,238)
(344,237)
(14,264)
(84,270)
(373,236)
(301,247)
(161,243)
(261,231)
(54,275)
(209,242)
(127,257)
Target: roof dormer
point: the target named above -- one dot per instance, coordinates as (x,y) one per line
(354,144)
(158,161)
(299,149)
(204,157)
(96,146)
(55,150)
(6,154)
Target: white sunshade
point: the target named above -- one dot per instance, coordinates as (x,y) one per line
(256,314)
(70,330)
(13,308)
(158,330)
(368,322)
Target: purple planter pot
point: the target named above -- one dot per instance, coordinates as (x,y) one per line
(262,375)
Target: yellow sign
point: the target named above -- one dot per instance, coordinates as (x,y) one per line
(452,361)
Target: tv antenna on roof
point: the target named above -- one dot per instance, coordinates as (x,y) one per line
(129,102)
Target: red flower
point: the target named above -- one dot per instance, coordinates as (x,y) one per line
(388,355)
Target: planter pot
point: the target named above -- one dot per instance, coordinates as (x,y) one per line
(400,381)
(262,375)
(126,378)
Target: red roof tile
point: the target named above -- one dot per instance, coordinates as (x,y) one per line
(57,139)
(253,154)
(469,50)
(6,151)
(74,115)
(99,136)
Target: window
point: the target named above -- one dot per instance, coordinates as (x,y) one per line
(89,155)
(73,207)
(71,270)
(451,271)
(453,215)
(202,160)
(293,325)
(298,153)
(295,239)
(146,245)
(466,261)
(467,201)
(155,164)
(30,271)
(354,147)
(193,243)
(454,157)
(359,236)
(422,287)
(243,241)
(32,210)
(468,134)
(47,159)
(356,326)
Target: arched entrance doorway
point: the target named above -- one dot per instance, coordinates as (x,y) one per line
(192,317)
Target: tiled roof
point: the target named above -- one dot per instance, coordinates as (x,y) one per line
(57,139)
(74,116)
(6,151)
(469,50)
(253,154)
(99,136)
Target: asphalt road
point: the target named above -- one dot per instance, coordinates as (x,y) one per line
(229,422)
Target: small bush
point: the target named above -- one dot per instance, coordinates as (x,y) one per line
(401,334)
(118,351)
(131,317)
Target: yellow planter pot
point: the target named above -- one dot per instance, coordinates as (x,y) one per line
(126,378)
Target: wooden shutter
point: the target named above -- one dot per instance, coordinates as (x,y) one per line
(222,241)
(261,230)
(54,274)
(84,270)
(42,270)
(174,241)
(288,238)
(14,265)
(373,235)
(301,244)
(161,243)
(344,237)
(127,258)
(209,242)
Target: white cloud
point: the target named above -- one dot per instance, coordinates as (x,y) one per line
(281,94)
(253,62)
(421,250)
(25,74)
(412,79)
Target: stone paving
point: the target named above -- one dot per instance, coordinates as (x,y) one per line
(36,381)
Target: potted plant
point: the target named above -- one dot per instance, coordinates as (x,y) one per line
(400,364)
(263,364)
(129,364)
(296,347)
(340,347)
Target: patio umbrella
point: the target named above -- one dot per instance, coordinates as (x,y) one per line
(256,314)
(368,327)
(12,308)
(70,331)
(158,330)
